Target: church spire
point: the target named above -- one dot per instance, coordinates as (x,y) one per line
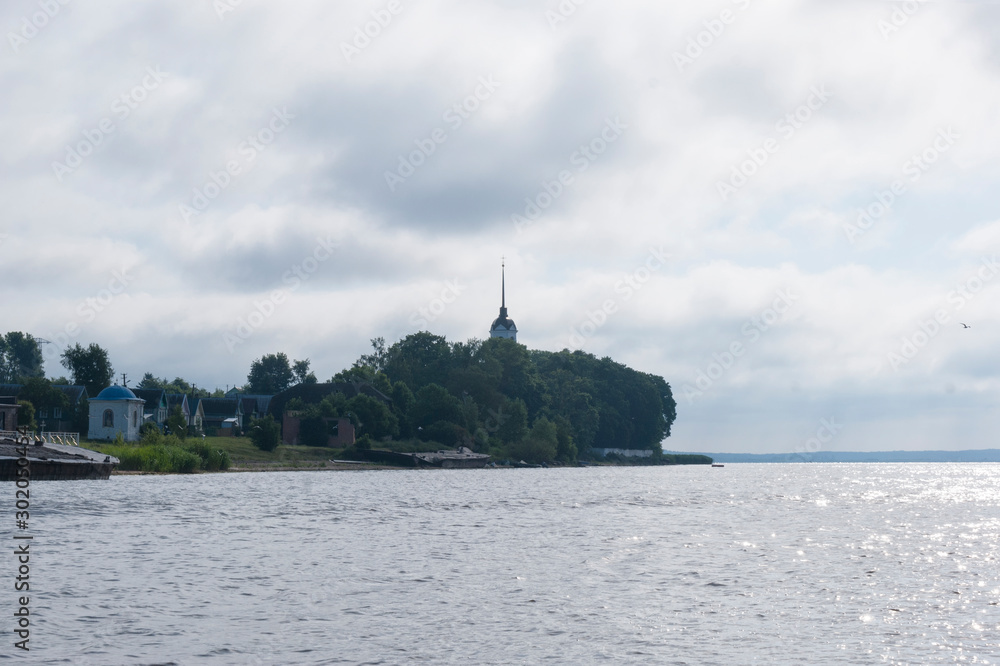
(503,283)
(503,326)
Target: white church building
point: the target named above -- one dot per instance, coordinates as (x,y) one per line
(115,410)
(503,326)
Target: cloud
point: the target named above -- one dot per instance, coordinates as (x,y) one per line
(532,95)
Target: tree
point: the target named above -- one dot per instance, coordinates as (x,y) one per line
(434,403)
(89,366)
(540,445)
(20,358)
(419,359)
(270,374)
(150,381)
(176,422)
(43,398)
(26,415)
(512,423)
(373,416)
(265,433)
(302,374)
(376,360)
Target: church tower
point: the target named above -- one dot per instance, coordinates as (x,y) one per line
(503,326)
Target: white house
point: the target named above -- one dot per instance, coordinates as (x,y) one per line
(115,410)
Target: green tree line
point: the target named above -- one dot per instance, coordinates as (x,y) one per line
(500,397)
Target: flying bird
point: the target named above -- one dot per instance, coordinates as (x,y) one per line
(965,325)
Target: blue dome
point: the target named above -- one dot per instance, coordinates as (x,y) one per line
(116,393)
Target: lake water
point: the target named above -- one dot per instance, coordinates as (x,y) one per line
(780,563)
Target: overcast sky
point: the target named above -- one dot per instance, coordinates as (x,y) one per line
(679,186)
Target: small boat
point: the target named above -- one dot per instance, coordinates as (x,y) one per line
(47,461)
(717,465)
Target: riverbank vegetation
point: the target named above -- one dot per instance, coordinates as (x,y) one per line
(166,454)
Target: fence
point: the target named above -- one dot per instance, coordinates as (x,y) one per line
(66,438)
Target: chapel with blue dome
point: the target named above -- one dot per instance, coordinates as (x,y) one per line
(115,410)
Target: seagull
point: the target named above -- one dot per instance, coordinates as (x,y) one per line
(965,325)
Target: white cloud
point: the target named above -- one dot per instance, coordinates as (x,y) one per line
(655,186)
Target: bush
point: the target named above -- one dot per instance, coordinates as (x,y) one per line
(265,433)
(212,460)
(148,428)
(176,423)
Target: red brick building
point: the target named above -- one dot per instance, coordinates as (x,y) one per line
(340,431)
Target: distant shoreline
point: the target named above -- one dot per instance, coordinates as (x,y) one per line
(964,456)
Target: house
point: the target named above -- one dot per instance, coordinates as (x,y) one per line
(179,400)
(197,417)
(8,413)
(223,415)
(71,417)
(115,410)
(249,407)
(339,431)
(155,407)
(254,410)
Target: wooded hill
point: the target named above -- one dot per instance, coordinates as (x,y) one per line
(498,396)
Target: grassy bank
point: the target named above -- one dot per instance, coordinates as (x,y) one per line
(210,454)
(186,458)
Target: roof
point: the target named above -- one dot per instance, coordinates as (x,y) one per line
(116,393)
(263,400)
(153,398)
(216,408)
(503,321)
(76,394)
(314,393)
(177,400)
(10,389)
